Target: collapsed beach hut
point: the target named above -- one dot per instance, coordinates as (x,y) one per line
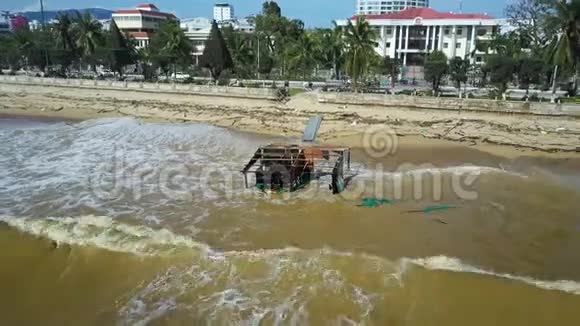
(289,167)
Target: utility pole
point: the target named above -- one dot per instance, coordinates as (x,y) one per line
(44,31)
(554,84)
(258,55)
(42,12)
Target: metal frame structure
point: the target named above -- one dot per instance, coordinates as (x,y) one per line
(282,167)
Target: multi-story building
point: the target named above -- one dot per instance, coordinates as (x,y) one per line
(10,23)
(377,7)
(35,25)
(198,29)
(411,34)
(141,23)
(223,12)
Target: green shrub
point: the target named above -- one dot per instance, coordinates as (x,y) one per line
(406,92)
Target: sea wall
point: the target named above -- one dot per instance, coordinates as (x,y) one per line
(204,90)
(455,104)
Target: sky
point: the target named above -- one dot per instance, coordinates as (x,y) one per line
(315,13)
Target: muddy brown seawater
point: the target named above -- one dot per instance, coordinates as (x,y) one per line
(116,221)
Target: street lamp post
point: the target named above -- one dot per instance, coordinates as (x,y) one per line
(258,56)
(44,30)
(554,84)
(42,12)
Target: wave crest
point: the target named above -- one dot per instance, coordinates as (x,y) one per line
(105,233)
(108,234)
(444,263)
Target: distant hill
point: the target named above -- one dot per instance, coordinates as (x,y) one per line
(98,13)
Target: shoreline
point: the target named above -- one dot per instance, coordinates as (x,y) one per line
(353,140)
(501,135)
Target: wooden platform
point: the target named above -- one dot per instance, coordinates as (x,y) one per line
(281,167)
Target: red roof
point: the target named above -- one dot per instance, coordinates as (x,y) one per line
(140,34)
(147,5)
(425,13)
(146,12)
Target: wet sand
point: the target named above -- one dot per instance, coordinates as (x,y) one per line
(503,134)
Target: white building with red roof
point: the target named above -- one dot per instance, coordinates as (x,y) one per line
(141,23)
(410,34)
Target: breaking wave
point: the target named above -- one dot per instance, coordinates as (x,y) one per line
(116,166)
(104,233)
(444,263)
(108,234)
(418,170)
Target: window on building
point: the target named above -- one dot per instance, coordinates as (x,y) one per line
(388,44)
(460,31)
(478,59)
(389,30)
(445,45)
(446,31)
(481,32)
(458,45)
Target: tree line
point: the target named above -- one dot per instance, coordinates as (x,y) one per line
(279,48)
(78,41)
(546,36)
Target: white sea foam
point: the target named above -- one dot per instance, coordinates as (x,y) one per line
(411,171)
(444,263)
(106,233)
(113,165)
(226,288)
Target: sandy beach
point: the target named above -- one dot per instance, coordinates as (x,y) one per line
(502,134)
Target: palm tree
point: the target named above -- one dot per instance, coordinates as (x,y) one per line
(89,35)
(329,48)
(146,62)
(65,52)
(360,44)
(172,44)
(565,48)
(303,55)
(64,32)
(240,47)
(8,53)
(24,44)
(337,49)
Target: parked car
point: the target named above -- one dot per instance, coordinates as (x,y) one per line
(179,75)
